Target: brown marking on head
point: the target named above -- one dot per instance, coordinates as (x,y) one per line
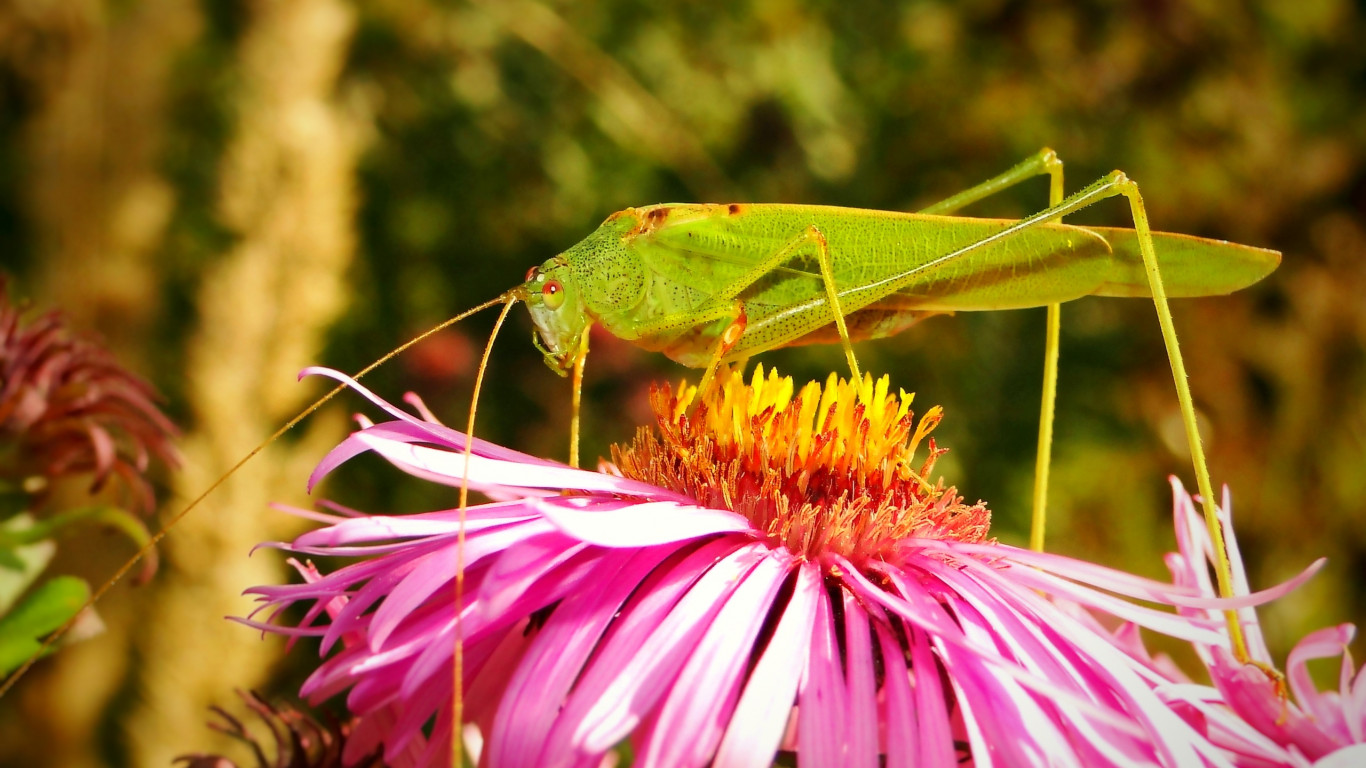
(735,209)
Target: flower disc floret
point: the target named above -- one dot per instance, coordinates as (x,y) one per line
(827,470)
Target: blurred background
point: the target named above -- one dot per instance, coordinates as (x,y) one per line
(228,191)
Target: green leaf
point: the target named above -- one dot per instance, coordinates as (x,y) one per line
(44,610)
(21,560)
(25,530)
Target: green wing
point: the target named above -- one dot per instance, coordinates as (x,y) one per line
(1191,266)
(889,271)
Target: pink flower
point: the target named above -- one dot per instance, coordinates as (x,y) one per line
(768,574)
(1251,711)
(68,408)
(297,739)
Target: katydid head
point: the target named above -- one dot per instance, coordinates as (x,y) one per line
(557,311)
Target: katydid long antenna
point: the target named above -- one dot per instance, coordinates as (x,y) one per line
(458,653)
(507,299)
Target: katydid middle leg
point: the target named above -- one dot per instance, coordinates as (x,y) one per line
(1045,161)
(728,303)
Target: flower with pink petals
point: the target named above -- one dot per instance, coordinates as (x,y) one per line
(1250,710)
(68,408)
(769,573)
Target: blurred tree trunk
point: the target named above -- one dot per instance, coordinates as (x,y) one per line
(98,205)
(96,75)
(288,193)
(98,201)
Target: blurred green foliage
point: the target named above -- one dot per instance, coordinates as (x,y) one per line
(495,134)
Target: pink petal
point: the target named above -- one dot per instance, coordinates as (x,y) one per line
(1322,644)
(1065,677)
(691,719)
(1078,570)
(447,467)
(637,622)
(638,525)
(516,571)
(899,719)
(485,692)
(1160,621)
(554,660)
(823,707)
(862,690)
(1354,703)
(757,725)
(385,528)
(936,743)
(481,625)
(646,676)
(413,428)
(1347,757)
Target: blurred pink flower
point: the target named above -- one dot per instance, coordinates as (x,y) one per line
(297,739)
(1250,710)
(68,408)
(792,584)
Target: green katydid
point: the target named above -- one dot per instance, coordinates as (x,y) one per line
(707,284)
(675,278)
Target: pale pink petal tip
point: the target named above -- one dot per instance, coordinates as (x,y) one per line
(1291,721)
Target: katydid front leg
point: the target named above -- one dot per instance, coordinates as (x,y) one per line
(733,311)
(576,398)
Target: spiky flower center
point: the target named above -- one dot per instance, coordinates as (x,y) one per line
(827,470)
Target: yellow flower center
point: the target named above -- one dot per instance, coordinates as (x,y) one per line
(827,470)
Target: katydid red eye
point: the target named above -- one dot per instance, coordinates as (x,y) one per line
(553,293)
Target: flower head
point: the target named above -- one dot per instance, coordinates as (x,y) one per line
(771,573)
(829,471)
(68,408)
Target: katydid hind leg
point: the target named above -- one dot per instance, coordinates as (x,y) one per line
(1112,185)
(1043,459)
(815,314)
(1117,184)
(1223,568)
